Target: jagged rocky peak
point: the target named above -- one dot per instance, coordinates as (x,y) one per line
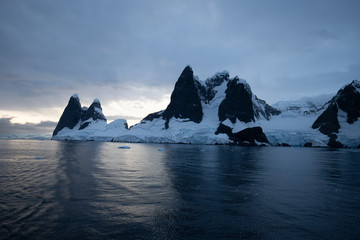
(347,101)
(262,109)
(71,115)
(185,101)
(75,115)
(240,103)
(217,79)
(247,136)
(94,112)
(206,90)
(152,116)
(237,103)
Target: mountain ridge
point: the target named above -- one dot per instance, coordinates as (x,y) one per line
(219,110)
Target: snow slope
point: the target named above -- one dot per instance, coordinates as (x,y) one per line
(293,125)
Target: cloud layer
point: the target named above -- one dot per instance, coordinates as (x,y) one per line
(134,51)
(8,129)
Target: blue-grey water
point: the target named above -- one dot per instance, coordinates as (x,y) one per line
(94,190)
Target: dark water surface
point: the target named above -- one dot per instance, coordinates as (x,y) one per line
(92,190)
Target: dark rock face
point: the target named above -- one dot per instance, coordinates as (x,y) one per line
(246,136)
(224,129)
(347,99)
(308,144)
(268,112)
(189,94)
(94,112)
(250,135)
(333,143)
(328,122)
(237,103)
(152,116)
(207,92)
(74,114)
(185,100)
(285,145)
(71,115)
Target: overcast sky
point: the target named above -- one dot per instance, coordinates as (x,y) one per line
(129,54)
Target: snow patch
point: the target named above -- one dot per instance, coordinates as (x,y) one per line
(98,110)
(238,125)
(348,133)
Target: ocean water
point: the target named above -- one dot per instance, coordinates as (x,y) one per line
(94,190)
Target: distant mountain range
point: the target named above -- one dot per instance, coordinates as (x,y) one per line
(224,110)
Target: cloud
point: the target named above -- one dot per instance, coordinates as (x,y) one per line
(135,50)
(292,88)
(7,128)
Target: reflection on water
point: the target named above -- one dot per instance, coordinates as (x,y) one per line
(91,190)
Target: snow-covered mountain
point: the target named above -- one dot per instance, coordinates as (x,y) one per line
(210,111)
(219,110)
(340,119)
(75,118)
(304,107)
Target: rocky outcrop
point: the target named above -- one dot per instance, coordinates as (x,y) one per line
(237,103)
(71,115)
(262,109)
(248,136)
(93,113)
(234,101)
(152,116)
(328,122)
(346,100)
(74,115)
(185,101)
(349,101)
(224,110)
(189,94)
(240,103)
(206,91)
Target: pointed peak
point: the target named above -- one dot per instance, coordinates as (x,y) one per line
(356,83)
(74,99)
(96,104)
(241,81)
(187,70)
(186,77)
(188,67)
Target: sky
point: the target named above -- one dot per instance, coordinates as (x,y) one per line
(129,54)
